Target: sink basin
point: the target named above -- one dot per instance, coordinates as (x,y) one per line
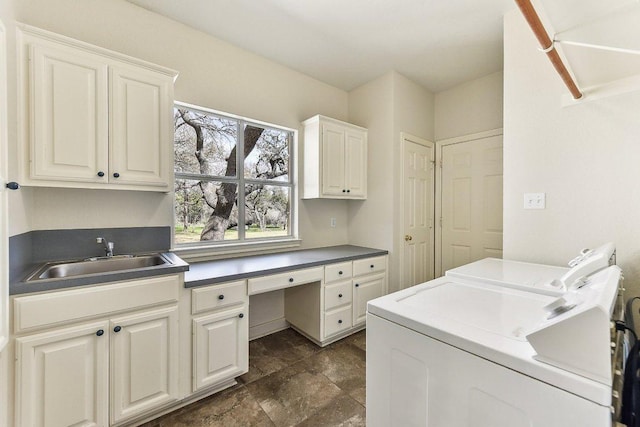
(97,266)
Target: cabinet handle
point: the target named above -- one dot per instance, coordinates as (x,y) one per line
(357,285)
(340,321)
(340,273)
(221,297)
(339,295)
(100,174)
(241,315)
(13,185)
(116,175)
(117,329)
(290,279)
(100,332)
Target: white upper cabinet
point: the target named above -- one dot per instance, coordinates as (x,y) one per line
(335,159)
(92,118)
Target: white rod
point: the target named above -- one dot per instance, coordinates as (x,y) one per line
(597,46)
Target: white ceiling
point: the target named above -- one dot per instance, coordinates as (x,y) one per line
(436,43)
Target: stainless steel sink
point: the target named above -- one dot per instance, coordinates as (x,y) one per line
(88,266)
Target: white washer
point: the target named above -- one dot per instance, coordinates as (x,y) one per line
(454,352)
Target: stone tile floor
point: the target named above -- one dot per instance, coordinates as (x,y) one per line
(291,382)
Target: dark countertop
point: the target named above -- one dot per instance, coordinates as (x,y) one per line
(22,287)
(225,270)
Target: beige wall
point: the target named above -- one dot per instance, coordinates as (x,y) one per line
(386,106)
(585,158)
(471,107)
(213,73)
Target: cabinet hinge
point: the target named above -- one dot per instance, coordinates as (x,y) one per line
(440,163)
(440,222)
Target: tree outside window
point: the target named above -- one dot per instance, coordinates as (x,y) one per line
(232,178)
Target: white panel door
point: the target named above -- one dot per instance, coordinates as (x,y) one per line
(356,163)
(4,209)
(63,377)
(220,347)
(144,362)
(471,201)
(418,206)
(333,160)
(68,93)
(364,290)
(140,126)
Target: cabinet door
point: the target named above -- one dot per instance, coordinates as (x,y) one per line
(356,163)
(62,377)
(144,362)
(141,132)
(220,347)
(333,161)
(365,289)
(69,130)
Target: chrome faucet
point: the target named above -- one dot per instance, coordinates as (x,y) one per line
(108,246)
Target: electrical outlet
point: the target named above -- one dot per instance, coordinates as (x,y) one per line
(534,200)
(332,222)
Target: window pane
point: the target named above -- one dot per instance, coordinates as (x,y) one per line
(204,143)
(268,157)
(267,211)
(205,211)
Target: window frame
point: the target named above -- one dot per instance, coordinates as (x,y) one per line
(242,244)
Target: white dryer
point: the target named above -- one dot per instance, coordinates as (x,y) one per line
(455,352)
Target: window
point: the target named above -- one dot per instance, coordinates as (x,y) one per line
(232,179)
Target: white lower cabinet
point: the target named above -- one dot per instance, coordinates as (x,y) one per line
(63,377)
(220,333)
(327,310)
(89,357)
(220,347)
(144,362)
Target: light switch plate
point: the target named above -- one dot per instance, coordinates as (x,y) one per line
(534,200)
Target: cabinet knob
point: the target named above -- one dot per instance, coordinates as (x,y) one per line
(340,321)
(100,174)
(117,329)
(12,185)
(221,297)
(344,191)
(290,279)
(241,315)
(348,191)
(371,266)
(100,332)
(116,175)
(340,272)
(357,285)
(339,295)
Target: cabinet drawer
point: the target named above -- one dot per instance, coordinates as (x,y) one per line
(336,272)
(337,294)
(285,280)
(50,308)
(337,321)
(218,296)
(369,265)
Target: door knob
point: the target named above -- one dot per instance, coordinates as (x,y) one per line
(407,238)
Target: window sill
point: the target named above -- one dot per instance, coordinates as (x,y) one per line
(207,253)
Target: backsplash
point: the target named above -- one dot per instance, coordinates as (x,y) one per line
(51,245)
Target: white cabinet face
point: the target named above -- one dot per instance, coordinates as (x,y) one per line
(69,130)
(333,160)
(356,158)
(144,362)
(220,347)
(365,289)
(140,128)
(62,377)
